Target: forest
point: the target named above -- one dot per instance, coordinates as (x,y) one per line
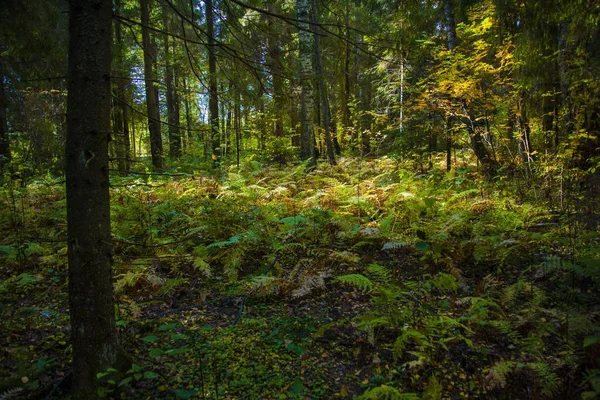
(300,199)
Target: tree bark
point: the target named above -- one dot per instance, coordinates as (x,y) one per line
(4,138)
(171,93)
(307,135)
(321,84)
(213,99)
(93,329)
(121,129)
(156,147)
(451,43)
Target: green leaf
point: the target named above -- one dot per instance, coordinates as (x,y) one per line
(181,350)
(422,246)
(185,394)
(6,249)
(125,381)
(297,387)
(590,341)
(156,352)
(150,375)
(167,327)
(150,338)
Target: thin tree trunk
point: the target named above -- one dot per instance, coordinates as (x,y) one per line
(121,140)
(156,147)
(307,136)
(4,138)
(188,114)
(321,84)
(213,99)
(451,43)
(91,303)
(237,123)
(346,91)
(171,94)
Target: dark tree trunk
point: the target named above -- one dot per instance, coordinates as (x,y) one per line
(565,82)
(237,126)
(121,130)
(451,43)
(346,86)
(4,138)
(307,136)
(171,94)
(188,113)
(321,84)
(213,99)
(93,329)
(156,147)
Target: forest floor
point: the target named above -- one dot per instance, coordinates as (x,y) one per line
(364,280)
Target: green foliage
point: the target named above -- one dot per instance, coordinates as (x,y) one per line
(386,393)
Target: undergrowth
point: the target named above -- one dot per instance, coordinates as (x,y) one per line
(363,280)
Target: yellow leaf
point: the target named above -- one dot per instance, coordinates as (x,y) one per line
(24,379)
(344,391)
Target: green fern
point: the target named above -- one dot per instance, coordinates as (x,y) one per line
(496,376)
(546,379)
(385,392)
(379,273)
(357,280)
(405,338)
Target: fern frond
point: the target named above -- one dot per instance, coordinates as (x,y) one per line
(379,273)
(406,337)
(496,377)
(10,393)
(357,280)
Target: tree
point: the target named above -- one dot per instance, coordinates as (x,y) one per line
(171,86)
(4,138)
(321,84)
(213,99)
(156,147)
(307,136)
(121,125)
(93,329)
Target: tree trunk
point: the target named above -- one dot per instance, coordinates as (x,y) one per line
(346,86)
(4,138)
(565,83)
(321,84)
(307,135)
(156,147)
(171,94)
(213,99)
(451,43)
(93,329)
(120,130)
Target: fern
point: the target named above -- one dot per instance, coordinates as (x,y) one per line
(357,280)
(385,392)
(547,380)
(496,376)
(407,336)
(378,273)
(11,393)
(171,284)
(387,246)
(460,195)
